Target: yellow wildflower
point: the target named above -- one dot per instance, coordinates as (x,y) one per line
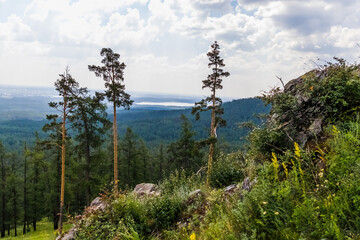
(301,171)
(285,169)
(335,130)
(193,236)
(264,212)
(297,149)
(274,161)
(276,213)
(264,203)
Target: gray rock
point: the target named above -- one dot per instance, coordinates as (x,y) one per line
(69,235)
(146,189)
(231,189)
(246,185)
(196,193)
(301,139)
(316,126)
(97,204)
(195,196)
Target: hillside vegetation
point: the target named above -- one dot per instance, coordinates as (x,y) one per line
(298,178)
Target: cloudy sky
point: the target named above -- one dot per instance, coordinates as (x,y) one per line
(164,42)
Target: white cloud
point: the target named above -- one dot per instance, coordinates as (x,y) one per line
(259,39)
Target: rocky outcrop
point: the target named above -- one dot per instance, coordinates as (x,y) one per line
(302,119)
(96,205)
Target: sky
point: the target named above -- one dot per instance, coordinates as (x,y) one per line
(164,42)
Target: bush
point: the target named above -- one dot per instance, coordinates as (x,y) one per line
(227,169)
(166,211)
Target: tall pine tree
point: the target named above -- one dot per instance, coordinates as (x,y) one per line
(213,103)
(69,90)
(112,72)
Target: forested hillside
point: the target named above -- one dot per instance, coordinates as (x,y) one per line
(297,180)
(148,145)
(13,133)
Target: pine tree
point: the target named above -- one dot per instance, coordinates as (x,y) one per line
(25,194)
(212,102)
(185,153)
(113,74)
(13,184)
(161,162)
(52,147)
(129,156)
(69,90)
(37,164)
(144,161)
(90,121)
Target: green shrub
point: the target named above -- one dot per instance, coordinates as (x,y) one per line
(166,211)
(227,169)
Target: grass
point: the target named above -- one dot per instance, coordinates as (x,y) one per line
(45,231)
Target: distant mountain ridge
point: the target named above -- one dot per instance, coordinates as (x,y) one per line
(20,117)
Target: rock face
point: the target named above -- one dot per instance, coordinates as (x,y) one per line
(146,189)
(303,119)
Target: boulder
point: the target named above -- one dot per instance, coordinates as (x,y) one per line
(231,189)
(70,235)
(194,196)
(146,189)
(97,204)
(316,126)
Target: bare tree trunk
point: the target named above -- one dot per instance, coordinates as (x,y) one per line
(212,136)
(62,169)
(115,152)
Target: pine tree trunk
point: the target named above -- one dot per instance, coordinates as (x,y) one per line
(212,144)
(88,156)
(36,180)
(25,200)
(115,151)
(62,169)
